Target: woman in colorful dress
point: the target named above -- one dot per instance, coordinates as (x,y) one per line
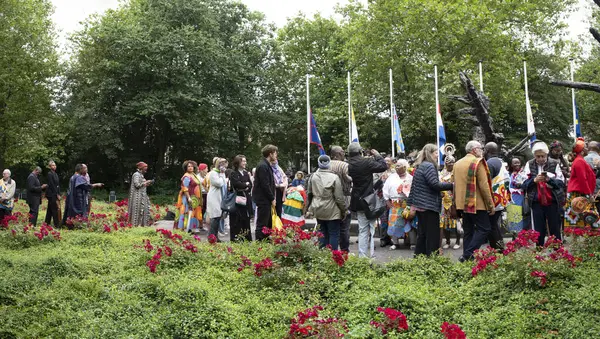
(395,193)
(189,201)
(448,225)
(581,210)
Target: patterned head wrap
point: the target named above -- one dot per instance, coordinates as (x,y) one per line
(555,144)
(202,167)
(579,145)
(140,165)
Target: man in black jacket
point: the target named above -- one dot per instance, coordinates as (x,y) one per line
(263,192)
(52,194)
(34,194)
(361,170)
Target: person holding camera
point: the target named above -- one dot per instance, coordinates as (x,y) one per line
(361,169)
(139,203)
(545,190)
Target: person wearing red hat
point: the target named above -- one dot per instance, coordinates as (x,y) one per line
(139,204)
(580,210)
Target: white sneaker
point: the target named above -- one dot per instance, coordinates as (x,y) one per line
(456,246)
(222,235)
(412,247)
(446,246)
(393,247)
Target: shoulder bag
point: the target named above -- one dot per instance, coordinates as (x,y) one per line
(229,199)
(372,206)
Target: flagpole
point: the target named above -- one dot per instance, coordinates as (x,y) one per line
(392,113)
(437,111)
(349,112)
(308,124)
(573,101)
(480,76)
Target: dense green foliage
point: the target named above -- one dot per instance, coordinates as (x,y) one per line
(93,284)
(31,129)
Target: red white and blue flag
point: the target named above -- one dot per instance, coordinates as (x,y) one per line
(315,138)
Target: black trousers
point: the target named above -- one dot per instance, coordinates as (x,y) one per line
(278,201)
(495,236)
(263,219)
(214,226)
(239,224)
(345,233)
(477,229)
(428,233)
(34,209)
(52,212)
(549,215)
(4,213)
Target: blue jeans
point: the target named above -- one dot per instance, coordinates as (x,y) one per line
(331,232)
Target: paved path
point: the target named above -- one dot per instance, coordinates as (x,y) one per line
(382,255)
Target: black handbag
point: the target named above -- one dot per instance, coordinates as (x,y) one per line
(526,206)
(228,201)
(372,206)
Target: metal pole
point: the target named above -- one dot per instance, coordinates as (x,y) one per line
(392,113)
(349,112)
(437,112)
(308,123)
(480,76)
(574,104)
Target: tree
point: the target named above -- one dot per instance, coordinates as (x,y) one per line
(411,36)
(31,128)
(165,81)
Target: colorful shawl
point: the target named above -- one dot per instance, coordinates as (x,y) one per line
(293,207)
(471,192)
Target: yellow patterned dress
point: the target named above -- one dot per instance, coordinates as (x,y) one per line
(446,222)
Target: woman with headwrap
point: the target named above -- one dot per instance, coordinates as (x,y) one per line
(556,153)
(139,203)
(189,201)
(580,209)
(448,224)
(544,187)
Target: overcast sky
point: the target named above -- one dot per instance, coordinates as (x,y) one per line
(68,13)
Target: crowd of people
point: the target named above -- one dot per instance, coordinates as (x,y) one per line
(413,200)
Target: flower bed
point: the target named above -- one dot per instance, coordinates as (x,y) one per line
(143,282)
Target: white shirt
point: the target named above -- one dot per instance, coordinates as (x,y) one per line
(559,174)
(390,188)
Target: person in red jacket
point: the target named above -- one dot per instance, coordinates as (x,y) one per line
(581,184)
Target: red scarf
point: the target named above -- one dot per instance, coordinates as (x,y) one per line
(544,194)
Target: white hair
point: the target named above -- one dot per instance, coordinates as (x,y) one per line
(7,171)
(472,144)
(402,163)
